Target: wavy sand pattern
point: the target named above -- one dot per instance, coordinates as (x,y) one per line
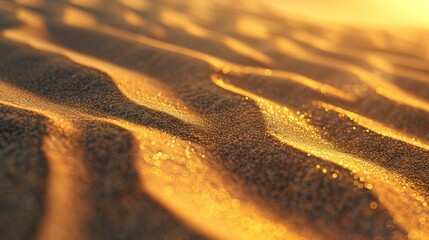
(174,119)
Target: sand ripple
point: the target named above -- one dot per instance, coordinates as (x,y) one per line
(204,119)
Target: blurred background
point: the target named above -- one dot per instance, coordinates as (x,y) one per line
(411,13)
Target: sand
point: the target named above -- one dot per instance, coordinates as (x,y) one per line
(209,119)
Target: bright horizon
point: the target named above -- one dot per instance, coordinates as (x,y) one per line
(411,13)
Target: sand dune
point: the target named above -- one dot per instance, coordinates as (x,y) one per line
(209,119)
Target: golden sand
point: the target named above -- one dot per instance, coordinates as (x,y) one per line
(210,120)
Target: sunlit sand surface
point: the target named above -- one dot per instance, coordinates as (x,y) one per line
(172,119)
